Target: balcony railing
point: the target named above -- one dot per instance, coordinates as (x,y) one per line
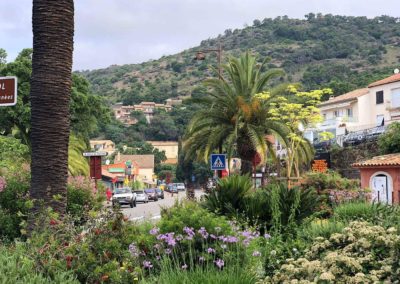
(339,120)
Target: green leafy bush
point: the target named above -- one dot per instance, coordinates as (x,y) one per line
(279,208)
(14,206)
(320,228)
(18,268)
(191,214)
(354,211)
(227,198)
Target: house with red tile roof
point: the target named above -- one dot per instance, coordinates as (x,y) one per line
(381,175)
(361,109)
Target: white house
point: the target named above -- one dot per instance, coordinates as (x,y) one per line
(361,109)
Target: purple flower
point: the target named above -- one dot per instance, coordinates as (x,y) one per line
(184,266)
(171,242)
(190,233)
(203,233)
(246,242)
(267,236)
(246,234)
(230,239)
(219,262)
(213,236)
(211,250)
(158,257)
(256,253)
(157,246)
(179,237)
(147,264)
(133,250)
(168,251)
(154,231)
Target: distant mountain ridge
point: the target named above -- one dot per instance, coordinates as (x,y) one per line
(339,52)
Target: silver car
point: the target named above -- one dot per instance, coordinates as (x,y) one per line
(141,196)
(123,196)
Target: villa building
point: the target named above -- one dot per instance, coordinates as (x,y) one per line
(103,146)
(170,148)
(123,113)
(360,110)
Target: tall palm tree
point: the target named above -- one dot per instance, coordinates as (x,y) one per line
(234,115)
(53,30)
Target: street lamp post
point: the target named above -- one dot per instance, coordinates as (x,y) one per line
(201,56)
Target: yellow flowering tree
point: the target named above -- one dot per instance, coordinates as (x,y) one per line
(301,110)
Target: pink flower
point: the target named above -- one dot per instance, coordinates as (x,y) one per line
(219,262)
(3,184)
(211,250)
(147,264)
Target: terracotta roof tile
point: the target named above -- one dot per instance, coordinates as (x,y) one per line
(384,160)
(143,161)
(391,79)
(346,97)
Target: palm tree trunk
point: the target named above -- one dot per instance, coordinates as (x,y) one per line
(53,30)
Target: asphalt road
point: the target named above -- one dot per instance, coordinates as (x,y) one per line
(152,210)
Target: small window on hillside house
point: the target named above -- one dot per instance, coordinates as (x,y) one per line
(379,97)
(350,112)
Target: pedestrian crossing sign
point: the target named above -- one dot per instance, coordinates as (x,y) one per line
(218,162)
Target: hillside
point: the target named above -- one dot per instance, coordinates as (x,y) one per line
(319,51)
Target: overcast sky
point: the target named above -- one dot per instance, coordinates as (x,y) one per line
(132,31)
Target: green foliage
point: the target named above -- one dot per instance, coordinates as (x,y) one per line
(242,126)
(14,207)
(205,276)
(190,214)
(227,199)
(18,268)
(87,110)
(354,210)
(327,51)
(329,180)
(12,154)
(77,164)
(389,142)
(320,228)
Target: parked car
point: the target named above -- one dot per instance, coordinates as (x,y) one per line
(124,196)
(160,193)
(180,186)
(152,194)
(141,196)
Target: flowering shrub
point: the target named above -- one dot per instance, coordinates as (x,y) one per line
(362,253)
(191,249)
(82,196)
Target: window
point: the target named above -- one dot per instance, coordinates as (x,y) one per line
(396,98)
(338,113)
(379,97)
(380,120)
(350,112)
